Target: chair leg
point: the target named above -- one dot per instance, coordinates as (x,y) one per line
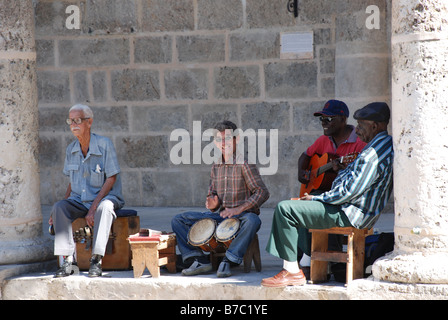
(252,253)
(350,259)
(318,268)
(257,256)
(356,254)
(215,256)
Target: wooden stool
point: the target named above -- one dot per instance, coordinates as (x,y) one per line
(354,257)
(118,252)
(153,254)
(252,253)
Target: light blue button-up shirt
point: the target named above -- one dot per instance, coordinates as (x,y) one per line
(364,187)
(88,174)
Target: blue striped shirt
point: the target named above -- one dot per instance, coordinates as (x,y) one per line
(364,187)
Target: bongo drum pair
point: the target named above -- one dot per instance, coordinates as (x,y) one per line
(206,235)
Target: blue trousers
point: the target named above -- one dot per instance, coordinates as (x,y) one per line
(249,225)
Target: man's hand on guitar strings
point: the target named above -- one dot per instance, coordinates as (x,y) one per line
(338,165)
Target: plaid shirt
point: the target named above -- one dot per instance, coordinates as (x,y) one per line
(238,183)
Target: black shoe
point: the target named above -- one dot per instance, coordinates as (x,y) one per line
(67,268)
(95,269)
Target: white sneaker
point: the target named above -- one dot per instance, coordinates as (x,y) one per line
(197,268)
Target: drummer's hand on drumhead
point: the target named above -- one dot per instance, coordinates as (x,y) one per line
(229,212)
(212,202)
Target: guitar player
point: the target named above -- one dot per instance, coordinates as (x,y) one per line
(356,199)
(339,139)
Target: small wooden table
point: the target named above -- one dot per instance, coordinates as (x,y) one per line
(153,254)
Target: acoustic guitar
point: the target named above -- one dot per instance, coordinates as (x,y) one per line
(320,178)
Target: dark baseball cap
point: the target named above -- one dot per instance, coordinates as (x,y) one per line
(333,108)
(375,111)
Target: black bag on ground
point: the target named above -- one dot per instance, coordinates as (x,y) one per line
(377,245)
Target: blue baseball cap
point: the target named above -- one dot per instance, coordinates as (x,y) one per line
(375,111)
(333,108)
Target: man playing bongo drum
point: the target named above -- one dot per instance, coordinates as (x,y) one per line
(236,190)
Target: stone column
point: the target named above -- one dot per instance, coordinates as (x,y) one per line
(21,238)
(420,126)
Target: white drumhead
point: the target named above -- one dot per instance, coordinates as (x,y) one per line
(201,231)
(227,229)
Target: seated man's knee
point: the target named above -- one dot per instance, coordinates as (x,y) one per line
(253,219)
(176,220)
(61,204)
(284,203)
(285,206)
(279,207)
(106,207)
(60,209)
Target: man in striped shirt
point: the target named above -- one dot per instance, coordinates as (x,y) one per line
(356,199)
(236,190)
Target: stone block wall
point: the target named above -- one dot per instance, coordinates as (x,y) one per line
(148,67)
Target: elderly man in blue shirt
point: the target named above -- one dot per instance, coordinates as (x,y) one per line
(358,195)
(94,192)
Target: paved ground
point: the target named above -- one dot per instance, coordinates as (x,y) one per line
(159,218)
(121,285)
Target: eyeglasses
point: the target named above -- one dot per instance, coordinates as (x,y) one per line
(227,139)
(326,119)
(75,121)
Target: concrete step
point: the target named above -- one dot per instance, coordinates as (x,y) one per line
(121,285)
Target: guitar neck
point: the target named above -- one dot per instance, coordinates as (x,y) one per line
(324,168)
(328,166)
